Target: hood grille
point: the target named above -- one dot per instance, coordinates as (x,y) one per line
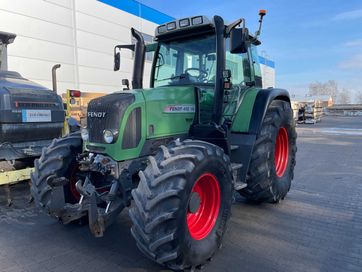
(106,112)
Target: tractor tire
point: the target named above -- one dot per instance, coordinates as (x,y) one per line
(182,204)
(271,168)
(59,159)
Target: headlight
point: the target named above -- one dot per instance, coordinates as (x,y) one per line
(84,133)
(108,136)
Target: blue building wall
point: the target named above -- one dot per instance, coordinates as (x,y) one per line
(140,10)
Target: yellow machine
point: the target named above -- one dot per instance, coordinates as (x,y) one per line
(76,103)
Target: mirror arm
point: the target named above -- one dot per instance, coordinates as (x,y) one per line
(234,24)
(117,54)
(126,46)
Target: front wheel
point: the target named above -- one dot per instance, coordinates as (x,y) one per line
(58,160)
(271,168)
(182,204)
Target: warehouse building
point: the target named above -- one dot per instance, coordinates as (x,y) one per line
(267,67)
(81,35)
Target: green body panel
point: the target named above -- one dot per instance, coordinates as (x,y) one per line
(169,110)
(242,118)
(153,103)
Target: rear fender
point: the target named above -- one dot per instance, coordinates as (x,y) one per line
(261,104)
(246,141)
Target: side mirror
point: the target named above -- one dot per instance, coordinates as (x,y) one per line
(239,40)
(125,82)
(117,61)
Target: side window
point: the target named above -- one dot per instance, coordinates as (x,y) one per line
(256,65)
(191,61)
(239,64)
(169,55)
(166,65)
(148,39)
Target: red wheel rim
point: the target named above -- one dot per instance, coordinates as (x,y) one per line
(281,155)
(201,222)
(72,182)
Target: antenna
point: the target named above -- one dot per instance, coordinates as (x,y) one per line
(262,13)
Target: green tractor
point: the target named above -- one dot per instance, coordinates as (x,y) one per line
(205,129)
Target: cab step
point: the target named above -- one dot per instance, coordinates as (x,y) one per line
(237,184)
(236,166)
(240,185)
(234,147)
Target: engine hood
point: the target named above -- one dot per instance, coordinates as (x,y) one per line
(15,89)
(10,79)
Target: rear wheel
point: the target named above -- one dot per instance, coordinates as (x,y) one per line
(182,204)
(271,168)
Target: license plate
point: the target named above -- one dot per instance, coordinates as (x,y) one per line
(36,116)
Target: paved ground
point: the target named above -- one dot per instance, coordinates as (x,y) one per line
(317,228)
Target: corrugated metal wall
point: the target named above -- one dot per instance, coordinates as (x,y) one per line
(78,34)
(81,35)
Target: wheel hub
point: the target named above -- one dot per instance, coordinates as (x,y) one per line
(281,153)
(203,206)
(73,181)
(194,203)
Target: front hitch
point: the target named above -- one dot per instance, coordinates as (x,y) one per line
(99,218)
(58,208)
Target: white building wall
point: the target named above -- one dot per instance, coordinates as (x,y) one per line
(267,68)
(78,34)
(268,76)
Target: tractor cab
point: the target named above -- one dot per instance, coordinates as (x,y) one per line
(187,52)
(219,62)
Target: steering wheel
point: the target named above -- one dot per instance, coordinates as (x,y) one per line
(202,73)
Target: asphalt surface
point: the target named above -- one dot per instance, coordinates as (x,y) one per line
(318,227)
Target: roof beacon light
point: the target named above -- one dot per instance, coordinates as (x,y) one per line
(262,13)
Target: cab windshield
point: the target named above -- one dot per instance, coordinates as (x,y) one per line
(184,62)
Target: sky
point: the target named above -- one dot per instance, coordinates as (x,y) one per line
(309,40)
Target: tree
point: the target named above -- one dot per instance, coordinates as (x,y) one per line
(359,97)
(344,97)
(329,88)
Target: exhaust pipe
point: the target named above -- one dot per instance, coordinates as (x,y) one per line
(54,76)
(5,39)
(220,66)
(139,59)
